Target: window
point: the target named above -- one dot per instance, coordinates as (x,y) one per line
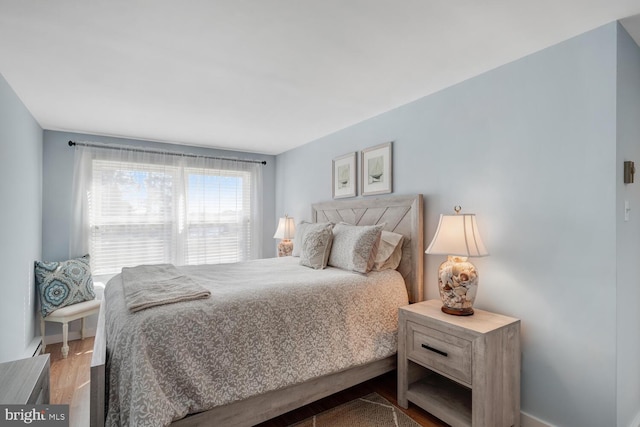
(179,211)
(133,215)
(218,204)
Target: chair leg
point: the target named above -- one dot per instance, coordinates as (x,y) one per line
(42,333)
(65,335)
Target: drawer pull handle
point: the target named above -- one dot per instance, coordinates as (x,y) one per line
(435,350)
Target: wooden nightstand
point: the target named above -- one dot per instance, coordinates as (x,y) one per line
(25,381)
(465,370)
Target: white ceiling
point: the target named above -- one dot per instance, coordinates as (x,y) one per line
(263,75)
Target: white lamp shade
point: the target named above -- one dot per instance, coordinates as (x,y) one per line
(286,229)
(457,235)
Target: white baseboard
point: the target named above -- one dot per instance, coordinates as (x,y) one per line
(56,338)
(527,420)
(38,350)
(33,349)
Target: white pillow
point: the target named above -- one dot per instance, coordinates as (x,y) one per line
(354,247)
(389,251)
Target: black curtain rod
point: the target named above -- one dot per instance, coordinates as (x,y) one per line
(140,150)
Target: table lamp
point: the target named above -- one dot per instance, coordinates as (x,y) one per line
(286,230)
(457,237)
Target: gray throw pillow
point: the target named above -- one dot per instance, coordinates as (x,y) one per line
(354,247)
(316,246)
(298,238)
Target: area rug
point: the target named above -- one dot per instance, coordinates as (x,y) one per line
(368,411)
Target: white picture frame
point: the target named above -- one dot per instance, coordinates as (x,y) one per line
(344,176)
(376,167)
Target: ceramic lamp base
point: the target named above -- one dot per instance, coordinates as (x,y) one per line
(458,285)
(285,248)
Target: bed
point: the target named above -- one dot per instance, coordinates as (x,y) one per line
(238,400)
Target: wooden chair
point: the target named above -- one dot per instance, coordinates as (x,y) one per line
(67,314)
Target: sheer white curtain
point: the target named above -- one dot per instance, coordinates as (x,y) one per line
(139,207)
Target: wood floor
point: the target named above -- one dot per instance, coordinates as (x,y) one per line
(70,379)
(70,386)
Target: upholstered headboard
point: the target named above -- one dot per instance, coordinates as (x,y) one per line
(402,214)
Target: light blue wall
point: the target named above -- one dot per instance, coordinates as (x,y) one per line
(530,147)
(628,233)
(20,224)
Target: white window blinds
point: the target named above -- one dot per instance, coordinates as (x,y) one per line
(150,209)
(133,215)
(217,221)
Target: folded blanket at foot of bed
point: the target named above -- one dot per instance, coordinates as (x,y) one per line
(148,286)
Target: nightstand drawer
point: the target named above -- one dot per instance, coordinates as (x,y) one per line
(441,352)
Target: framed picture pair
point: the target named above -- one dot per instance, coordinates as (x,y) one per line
(375,172)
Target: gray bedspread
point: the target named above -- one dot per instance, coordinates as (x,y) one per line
(270,323)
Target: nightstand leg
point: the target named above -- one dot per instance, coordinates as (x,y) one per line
(402,400)
(402,383)
(403,372)
(82,330)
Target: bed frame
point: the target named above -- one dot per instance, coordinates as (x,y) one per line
(401,214)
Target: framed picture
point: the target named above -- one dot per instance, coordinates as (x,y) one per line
(376,170)
(344,176)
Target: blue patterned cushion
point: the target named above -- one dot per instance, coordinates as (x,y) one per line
(63,283)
